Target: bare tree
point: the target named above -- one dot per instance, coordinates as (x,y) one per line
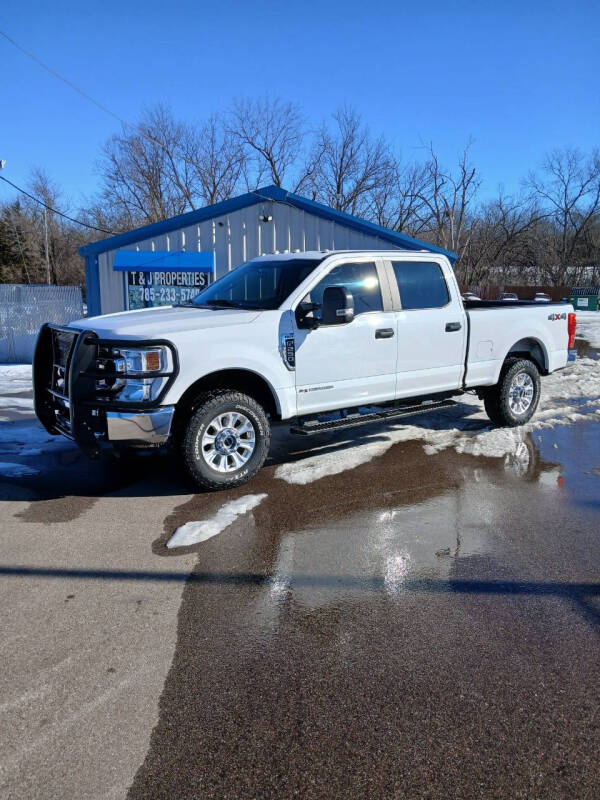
(37,244)
(568,187)
(499,244)
(273,135)
(163,166)
(144,177)
(216,157)
(47,225)
(352,167)
(446,215)
(398,202)
(51,234)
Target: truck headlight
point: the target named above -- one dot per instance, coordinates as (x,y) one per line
(129,373)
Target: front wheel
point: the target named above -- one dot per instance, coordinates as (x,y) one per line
(226,441)
(514,399)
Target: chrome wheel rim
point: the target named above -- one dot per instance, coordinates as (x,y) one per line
(518,462)
(520,395)
(228,441)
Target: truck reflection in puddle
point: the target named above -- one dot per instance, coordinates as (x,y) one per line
(338,557)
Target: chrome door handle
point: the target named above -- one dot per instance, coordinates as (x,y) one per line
(453,326)
(384,333)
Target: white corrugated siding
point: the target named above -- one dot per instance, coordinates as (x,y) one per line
(239,236)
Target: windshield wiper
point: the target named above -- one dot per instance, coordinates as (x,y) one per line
(214,305)
(225,303)
(221,304)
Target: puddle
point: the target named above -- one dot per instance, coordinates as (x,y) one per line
(576,451)
(585,349)
(415,598)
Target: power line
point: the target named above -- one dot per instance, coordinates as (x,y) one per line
(54,210)
(60,77)
(81,92)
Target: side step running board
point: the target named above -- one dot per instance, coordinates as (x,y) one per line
(352,420)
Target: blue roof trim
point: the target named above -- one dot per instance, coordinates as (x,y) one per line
(276,194)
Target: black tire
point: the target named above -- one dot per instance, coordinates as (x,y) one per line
(497,400)
(208,407)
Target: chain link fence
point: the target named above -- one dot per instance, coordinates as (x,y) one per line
(24,309)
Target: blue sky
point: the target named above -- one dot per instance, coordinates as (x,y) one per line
(518,77)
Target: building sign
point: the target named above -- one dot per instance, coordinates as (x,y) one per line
(147,289)
(163,278)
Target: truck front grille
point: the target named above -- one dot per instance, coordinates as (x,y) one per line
(63,343)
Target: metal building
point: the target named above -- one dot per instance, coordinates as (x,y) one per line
(172,260)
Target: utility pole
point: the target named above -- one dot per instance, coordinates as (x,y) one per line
(46,247)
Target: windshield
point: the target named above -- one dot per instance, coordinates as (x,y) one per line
(260,285)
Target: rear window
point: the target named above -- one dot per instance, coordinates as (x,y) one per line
(421,284)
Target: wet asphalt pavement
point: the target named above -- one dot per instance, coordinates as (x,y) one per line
(420,626)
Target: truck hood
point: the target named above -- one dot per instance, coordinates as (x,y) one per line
(157,323)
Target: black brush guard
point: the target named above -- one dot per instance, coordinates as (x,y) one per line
(61,387)
(64,384)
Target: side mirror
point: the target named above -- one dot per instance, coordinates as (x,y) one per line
(338,306)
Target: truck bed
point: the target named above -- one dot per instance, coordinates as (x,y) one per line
(497,327)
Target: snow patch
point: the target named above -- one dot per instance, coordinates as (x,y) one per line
(467,427)
(16,402)
(194,532)
(15,378)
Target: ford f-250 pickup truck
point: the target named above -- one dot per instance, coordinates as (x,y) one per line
(322,339)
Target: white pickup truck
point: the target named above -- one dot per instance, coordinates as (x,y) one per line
(322,339)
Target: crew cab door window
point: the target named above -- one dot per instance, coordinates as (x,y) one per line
(360,278)
(421,284)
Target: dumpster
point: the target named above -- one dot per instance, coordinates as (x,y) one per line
(585,298)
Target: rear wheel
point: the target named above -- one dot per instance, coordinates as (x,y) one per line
(514,399)
(226,441)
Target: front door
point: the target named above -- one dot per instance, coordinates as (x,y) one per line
(353,363)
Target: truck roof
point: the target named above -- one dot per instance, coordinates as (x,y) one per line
(322,254)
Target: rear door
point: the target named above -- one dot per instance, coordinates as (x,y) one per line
(431,327)
(352,363)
